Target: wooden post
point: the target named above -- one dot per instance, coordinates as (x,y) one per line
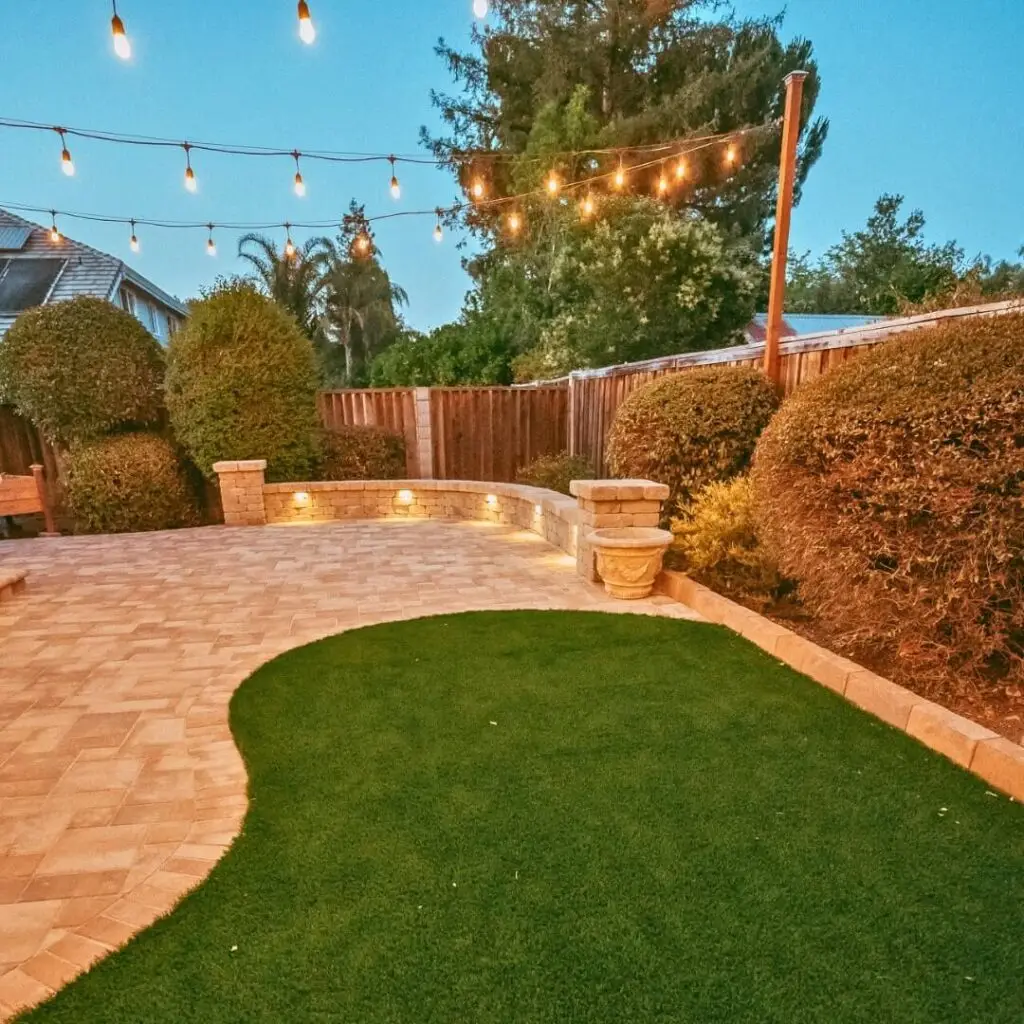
(44,500)
(783,209)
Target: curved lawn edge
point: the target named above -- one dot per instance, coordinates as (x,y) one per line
(246,689)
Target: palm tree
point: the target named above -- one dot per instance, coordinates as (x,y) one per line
(362,306)
(296,282)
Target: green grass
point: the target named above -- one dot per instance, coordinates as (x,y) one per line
(564,817)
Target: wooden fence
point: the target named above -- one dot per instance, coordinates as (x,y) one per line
(393,409)
(21,445)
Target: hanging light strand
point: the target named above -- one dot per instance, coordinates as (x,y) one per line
(211,245)
(55,235)
(67,165)
(133,242)
(307,31)
(300,185)
(396,189)
(190,176)
(122,45)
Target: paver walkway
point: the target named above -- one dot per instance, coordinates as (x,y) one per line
(120,785)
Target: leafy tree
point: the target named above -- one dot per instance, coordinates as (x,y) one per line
(877,270)
(649,70)
(296,282)
(470,351)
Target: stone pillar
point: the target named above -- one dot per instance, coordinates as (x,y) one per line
(241,492)
(424,433)
(609,503)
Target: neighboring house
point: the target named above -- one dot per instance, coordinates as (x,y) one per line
(35,271)
(796,325)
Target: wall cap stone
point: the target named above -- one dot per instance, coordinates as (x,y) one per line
(240,466)
(618,490)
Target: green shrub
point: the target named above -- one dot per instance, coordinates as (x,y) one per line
(127,483)
(362,453)
(555,471)
(715,538)
(81,369)
(691,428)
(241,384)
(893,490)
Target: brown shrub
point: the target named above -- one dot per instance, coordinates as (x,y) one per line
(893,489)
(362,453)
(692,428)
(555,472)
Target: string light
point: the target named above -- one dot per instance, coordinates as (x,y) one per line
(514,223)
(587,206)
(681,169)
(480,8)
(67,165)
(133,242)
(211,245)
(730,155)
(662,183)
(478,190)
(289,245)
(55,235)
(396,191)
(552,183)
(307,32)
(438,232)
(190,175)
(619,181)
(122,46)
(300,185)
(362,243)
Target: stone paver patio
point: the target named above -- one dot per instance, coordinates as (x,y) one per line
(120,785)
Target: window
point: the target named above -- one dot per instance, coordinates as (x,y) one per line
(27,281)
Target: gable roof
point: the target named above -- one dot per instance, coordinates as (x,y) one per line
(87,271)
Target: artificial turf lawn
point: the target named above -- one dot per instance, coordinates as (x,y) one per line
(571,817)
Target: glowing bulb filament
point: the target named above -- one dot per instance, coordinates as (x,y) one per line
(67,165)
(190,175)
(55,235)
(587,205)
(619,181)
(730,155)
(289,245)
(438,232)
(307,33)
(662,185)
(122,47)
(552,184)
(134,241)
(681,170)
(478,189)
(211,245)
(514,223)
(396,191)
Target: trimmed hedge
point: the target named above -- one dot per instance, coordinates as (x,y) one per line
(691,428)
(81,369)
(555,472)
(362,453)
(893,490)
(127,483)
(241,384)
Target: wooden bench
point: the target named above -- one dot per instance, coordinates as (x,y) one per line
(25,495)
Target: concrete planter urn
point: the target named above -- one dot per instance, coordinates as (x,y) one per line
(629,559)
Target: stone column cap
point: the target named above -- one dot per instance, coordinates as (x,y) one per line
(244,466)
(618,490)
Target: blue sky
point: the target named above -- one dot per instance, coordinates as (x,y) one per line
(926,97)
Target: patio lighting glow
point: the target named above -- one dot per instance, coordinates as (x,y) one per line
(307,31)
(552,183)
(438,231)
(289,245)
(301,497)
(405,496)
(587,205)
(514,223)
(300,185)
(55,235)
(681,169)
(122,47)
(211,245)
(133,242)
(67,165)
(480,8)
(730,155)
(362,244)
(492,500)
(662,184)
(478,189)
(538,510)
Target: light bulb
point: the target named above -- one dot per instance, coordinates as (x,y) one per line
(211,247)
(55,235)
(133,242)
(122,47)
(514,223)
(552,184)
(300,185)
(478,189)
(289,248)
(681,170)
(190,180)
(67,165)
(396,191)
(619,181)
(662,184)
(307,33)
(480,8)
(363,244)
(730,155)
(587,205)
(438,233)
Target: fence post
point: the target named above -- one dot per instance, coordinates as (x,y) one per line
(571,404)
(424,436)
(44,499)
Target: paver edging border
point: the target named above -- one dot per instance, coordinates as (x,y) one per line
(12,583)
(997,760)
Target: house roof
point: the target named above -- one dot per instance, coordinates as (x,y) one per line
(87,271)
(795,325)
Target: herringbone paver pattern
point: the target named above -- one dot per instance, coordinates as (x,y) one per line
(120,785)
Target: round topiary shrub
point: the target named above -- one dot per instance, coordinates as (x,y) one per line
(555,472)
(893,490)
(127,483)
(81,369)
(241,384)
(362,453)
(689,429)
